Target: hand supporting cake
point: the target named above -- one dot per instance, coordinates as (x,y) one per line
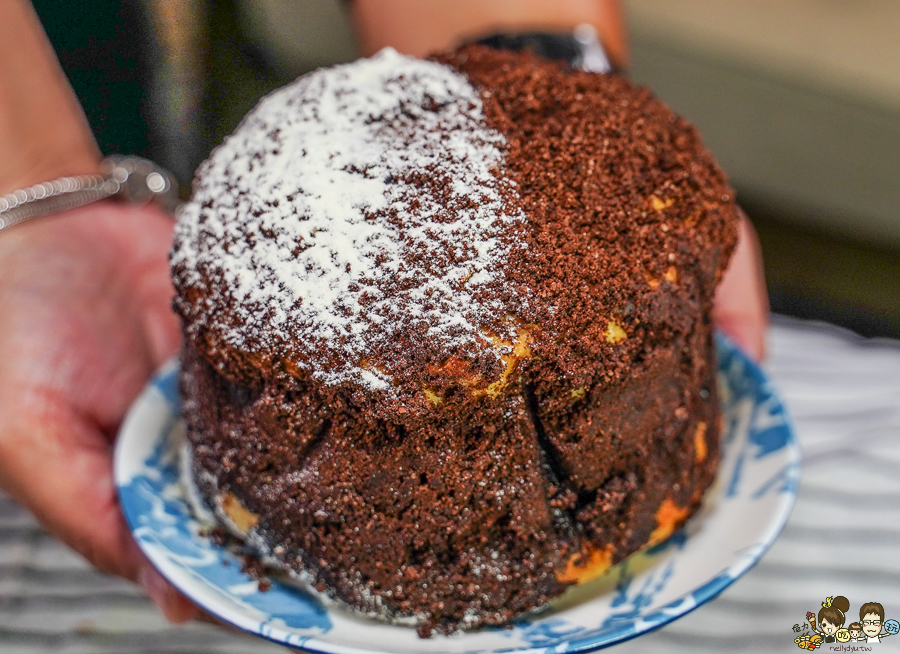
(447,336)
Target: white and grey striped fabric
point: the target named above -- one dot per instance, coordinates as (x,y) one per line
(842,539)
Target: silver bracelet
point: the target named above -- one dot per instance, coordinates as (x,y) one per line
(132,179)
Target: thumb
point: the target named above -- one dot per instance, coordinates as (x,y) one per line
(741,305)
(59,466)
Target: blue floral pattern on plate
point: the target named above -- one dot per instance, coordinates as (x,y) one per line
(743,513)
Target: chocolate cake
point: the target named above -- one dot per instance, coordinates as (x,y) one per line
(448,346)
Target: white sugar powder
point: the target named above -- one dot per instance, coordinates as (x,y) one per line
(300,216)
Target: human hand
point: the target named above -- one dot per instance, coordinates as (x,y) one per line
(742,305)
(85,319)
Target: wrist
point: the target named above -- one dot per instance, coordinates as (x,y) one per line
(35,167)
(131,179)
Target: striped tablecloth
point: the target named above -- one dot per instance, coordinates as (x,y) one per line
(842,539)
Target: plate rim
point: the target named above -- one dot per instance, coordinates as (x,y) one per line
(660,617)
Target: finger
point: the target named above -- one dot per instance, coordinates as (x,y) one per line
(60,467)
(209,618)
(741,304)
(151,278)
(174,606)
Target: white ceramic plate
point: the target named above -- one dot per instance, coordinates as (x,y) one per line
(743,514)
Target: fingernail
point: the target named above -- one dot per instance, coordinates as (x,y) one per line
(173,605)
(155,586)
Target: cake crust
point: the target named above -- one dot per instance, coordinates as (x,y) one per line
(578,423)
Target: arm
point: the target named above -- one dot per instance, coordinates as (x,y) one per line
(419,28)
(43,133)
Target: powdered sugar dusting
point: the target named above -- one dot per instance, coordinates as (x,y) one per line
(349,205)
